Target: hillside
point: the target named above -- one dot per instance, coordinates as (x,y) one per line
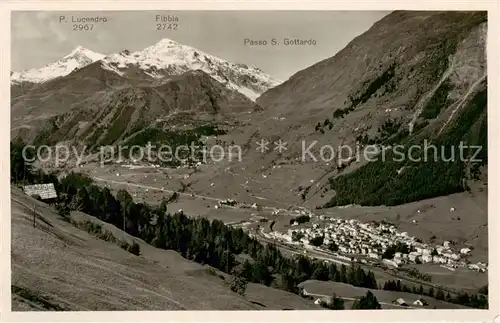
(101,114)
(413,76)
(57,266)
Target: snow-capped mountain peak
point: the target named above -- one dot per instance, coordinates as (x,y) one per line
(78,58)
(168,57)
(159,61)
(82,52)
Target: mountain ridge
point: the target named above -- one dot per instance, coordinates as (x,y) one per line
(156,63)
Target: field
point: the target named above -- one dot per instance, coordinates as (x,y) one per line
(384,297)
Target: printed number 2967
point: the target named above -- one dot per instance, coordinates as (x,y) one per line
(83,27)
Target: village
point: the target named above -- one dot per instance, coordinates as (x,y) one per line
(373,243)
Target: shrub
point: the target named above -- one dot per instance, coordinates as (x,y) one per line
(63,210)
(317,241)
(135,249)
(239,285)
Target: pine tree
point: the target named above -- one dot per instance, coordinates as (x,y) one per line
(369,301)
(440,295)
(81,201)
(320,272)
(343,274)
(335,303)
(20,169)
(332,272)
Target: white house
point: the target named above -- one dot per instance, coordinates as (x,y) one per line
(473,267)
(400,301)
(418,303)
(390,263)
(426,258)
(465,251)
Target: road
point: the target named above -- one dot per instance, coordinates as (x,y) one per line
(155,188)
(100,179)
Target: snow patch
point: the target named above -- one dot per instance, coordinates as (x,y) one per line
(168,57)
(78,58)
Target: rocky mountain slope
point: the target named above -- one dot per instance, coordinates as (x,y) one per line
(192,98)
(412,76)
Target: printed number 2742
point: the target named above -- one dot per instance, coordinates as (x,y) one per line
(166,26)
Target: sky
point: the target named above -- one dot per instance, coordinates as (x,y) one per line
(41,37)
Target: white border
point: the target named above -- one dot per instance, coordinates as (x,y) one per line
(264,316)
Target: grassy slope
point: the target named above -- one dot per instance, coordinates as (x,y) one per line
(56,266)
(349,291)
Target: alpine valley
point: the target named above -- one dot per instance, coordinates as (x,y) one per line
(298,219)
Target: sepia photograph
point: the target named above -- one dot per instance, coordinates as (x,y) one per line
(248,160)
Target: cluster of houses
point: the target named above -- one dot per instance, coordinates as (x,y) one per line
(226,202)
(368,242)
